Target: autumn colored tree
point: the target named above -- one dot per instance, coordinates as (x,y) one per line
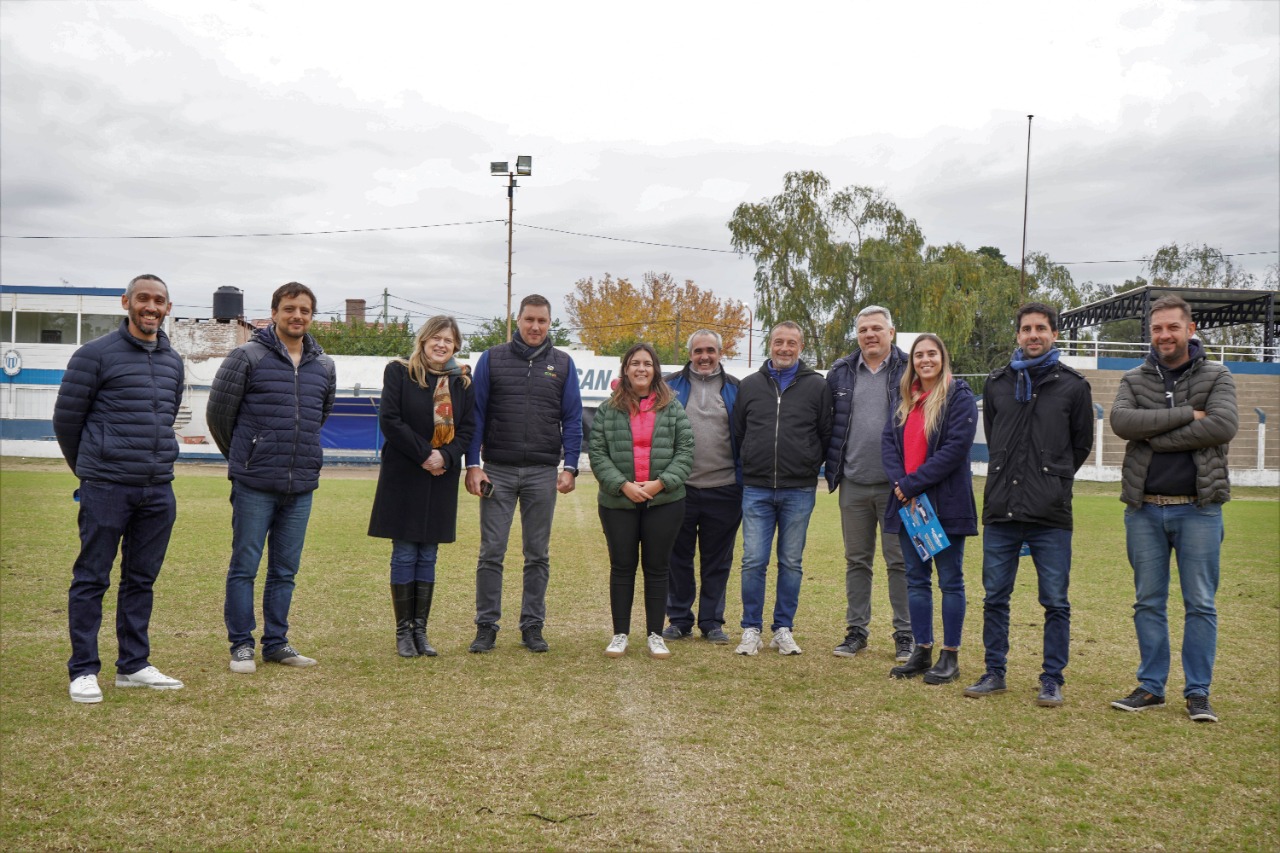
(613,313)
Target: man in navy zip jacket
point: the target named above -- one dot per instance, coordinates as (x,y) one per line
(713,493)
(269,400)
(864,391)
(114,422)
(781,424)
(528,411)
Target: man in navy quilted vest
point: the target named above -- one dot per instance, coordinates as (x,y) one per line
(528,412)
(269,400)
(114,422)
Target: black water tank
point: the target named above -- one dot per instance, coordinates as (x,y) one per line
(228,304)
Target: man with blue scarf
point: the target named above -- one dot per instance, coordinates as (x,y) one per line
(1038,417)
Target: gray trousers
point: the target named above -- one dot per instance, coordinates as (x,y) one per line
(862,511)
(535,488)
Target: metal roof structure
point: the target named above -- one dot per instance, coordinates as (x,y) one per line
(1211,308)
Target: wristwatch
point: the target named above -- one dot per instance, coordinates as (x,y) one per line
(573,471)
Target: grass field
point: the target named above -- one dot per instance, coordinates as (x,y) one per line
(572,750)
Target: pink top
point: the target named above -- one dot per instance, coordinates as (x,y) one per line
(642,438)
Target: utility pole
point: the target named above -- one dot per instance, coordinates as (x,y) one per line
(1026,198)
(676,357)
(511,212)
(385,307)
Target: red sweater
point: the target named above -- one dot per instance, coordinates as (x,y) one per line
(915,444)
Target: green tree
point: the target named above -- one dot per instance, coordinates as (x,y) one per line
(342,337)
(490,333)
(820,254)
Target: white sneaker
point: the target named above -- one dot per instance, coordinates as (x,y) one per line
(148,677)
(751,642)
(617,646)
(784,642)
(85,690)
(242,660)
(658,646)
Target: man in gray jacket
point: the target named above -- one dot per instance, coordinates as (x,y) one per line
(1177,410)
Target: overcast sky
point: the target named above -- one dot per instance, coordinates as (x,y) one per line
(1155,122)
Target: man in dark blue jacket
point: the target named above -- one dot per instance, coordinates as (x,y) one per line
(269,400)
(713,493)
(114,422)
(528,412)
(864,391)
(1038,418)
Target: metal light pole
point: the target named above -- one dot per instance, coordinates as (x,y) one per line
(524,167)
(1026,198)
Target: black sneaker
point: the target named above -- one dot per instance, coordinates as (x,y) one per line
(903,645)
(486,636)
(1199,711)
(1138,700)
(988,685)
(854,641)
(1050,693)
(531,639)
(716,636)
(288,656)
(675,632)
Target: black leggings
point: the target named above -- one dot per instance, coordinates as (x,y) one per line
(649,531)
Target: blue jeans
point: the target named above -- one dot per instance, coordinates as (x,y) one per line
(763,511)
(278,521)
(950,565)
(413,561)
(1195,533)
(1051,553)
(139,518)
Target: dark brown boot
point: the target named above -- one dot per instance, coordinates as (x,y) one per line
(421,610)
(402,602)
(921,659)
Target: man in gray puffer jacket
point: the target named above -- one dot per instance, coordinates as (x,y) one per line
(1177,410)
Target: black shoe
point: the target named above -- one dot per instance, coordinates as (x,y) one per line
(1138,700)
(486,636)
(988,685)
(903,645)
(946,670)
(423,593)
(854,641)
(921,659)
(1050,693)
(675,632)
(402,604)
(1199,711)
(716,636)
(531,639)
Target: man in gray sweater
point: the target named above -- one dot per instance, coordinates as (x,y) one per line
(1178,412)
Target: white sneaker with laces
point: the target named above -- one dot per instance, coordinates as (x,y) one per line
(751,642)
(242,660)
(658,646)
(148,677)
(784,642)
(85,690)
(617,646)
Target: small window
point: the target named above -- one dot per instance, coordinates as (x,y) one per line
(39,327)
(96,325)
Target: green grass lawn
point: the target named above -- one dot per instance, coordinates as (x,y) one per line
(572,750)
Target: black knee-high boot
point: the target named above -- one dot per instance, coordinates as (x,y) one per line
(402,601)
(421,610)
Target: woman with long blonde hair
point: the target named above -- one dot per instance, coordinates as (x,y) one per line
(426,418)
(925,445)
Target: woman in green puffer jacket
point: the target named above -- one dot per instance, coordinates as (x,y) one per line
(641,453)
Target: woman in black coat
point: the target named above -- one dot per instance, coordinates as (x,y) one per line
(426,417)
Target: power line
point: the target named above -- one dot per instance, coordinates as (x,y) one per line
(226,236)
(629,240)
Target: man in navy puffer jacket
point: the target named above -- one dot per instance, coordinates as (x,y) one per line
(114,422)
(268,402)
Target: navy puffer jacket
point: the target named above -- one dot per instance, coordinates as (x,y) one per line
(945,475)
(266,416)
(115,410)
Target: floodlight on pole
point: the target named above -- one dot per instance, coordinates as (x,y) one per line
(1026,202)
(524,168)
